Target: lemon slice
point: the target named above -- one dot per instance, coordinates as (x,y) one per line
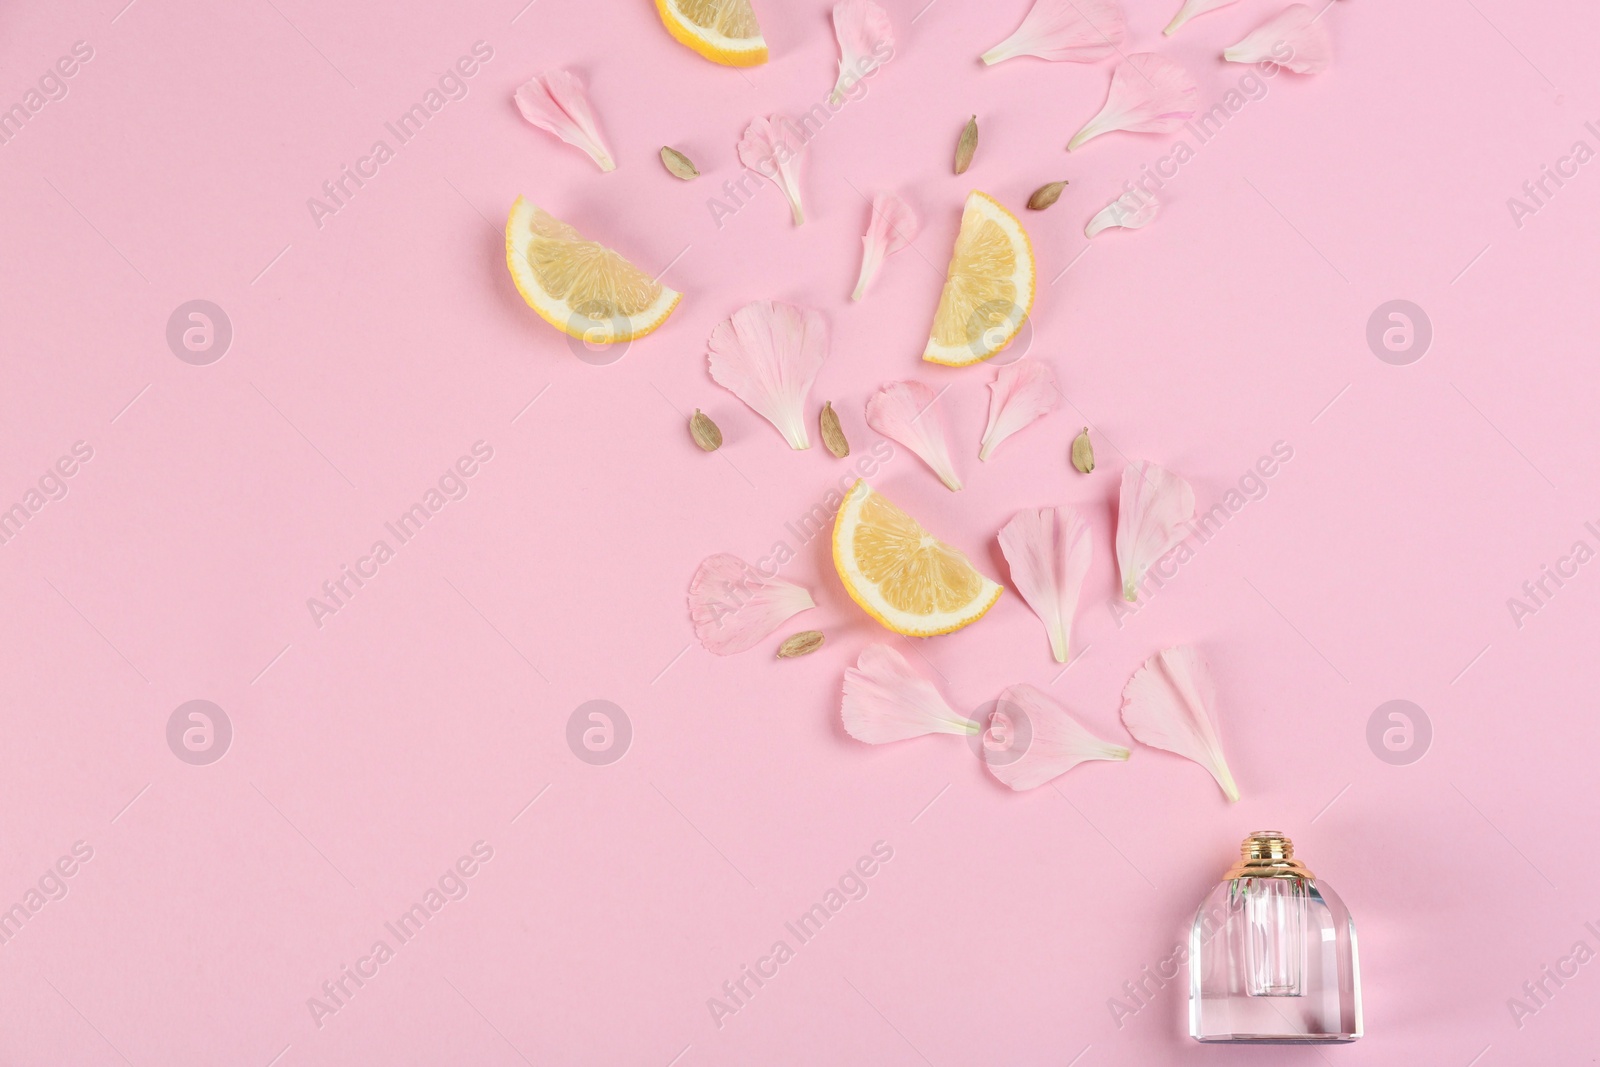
(581,287)
(899,574)
(988,290)
(724,31)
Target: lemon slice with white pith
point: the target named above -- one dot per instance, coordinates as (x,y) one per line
(724,31)
(900,574)
(581,287)
(988,289)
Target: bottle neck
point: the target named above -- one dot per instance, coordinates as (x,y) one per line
(1267,854)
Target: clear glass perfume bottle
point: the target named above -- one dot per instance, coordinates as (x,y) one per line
(1272,955)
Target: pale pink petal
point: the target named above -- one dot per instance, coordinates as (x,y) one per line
(1170,703)
(555,102)
(1190,9)
(1295,39)
(893,226)
(771,147)
(1153,515)
(1020,394)
(1131,211)
(1149,94)
(885,700)
(1048,551)
(767,355)
(904,413)
(733,606)
(1031,739)
(866,42)
(1078,31)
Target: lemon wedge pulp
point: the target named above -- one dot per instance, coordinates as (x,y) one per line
(988,289)
(901,575)
(724,31)
(578,286)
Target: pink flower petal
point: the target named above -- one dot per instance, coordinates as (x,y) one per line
(1152,517)
(1190,9)
(1031,739)
(904,413)
(1149,94)
(1132,210)
(555,102)
(885,700)
(1049,551)
(1170,703)
(1020,394)
(866,42)
(733,606)
(1077,31)
(771,147)
(893,226)
(1294,39)
(767,355)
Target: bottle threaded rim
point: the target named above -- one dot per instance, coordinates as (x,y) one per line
(1267,854)
(1267,845)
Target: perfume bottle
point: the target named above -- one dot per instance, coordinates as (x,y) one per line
(1272,955)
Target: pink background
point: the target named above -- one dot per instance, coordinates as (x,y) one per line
(372,752)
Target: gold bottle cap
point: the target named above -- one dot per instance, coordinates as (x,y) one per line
(1267,854)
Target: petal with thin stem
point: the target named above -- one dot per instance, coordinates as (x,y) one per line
(1049,551)
(905,413)
(1022,393)
(1170,703)
(733,606)
(1148,94)
(1030,739)
(1074,31)
(866,42)
(886,700)
(1153,515)
(893,226)
(1295,39)
(555,102)
(768,354)
(772,148)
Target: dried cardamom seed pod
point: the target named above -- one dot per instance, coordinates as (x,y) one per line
(1045,195)
(704,431)
(967,146)
(801,644)
(678,164)
(1083,452)
(832,433)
